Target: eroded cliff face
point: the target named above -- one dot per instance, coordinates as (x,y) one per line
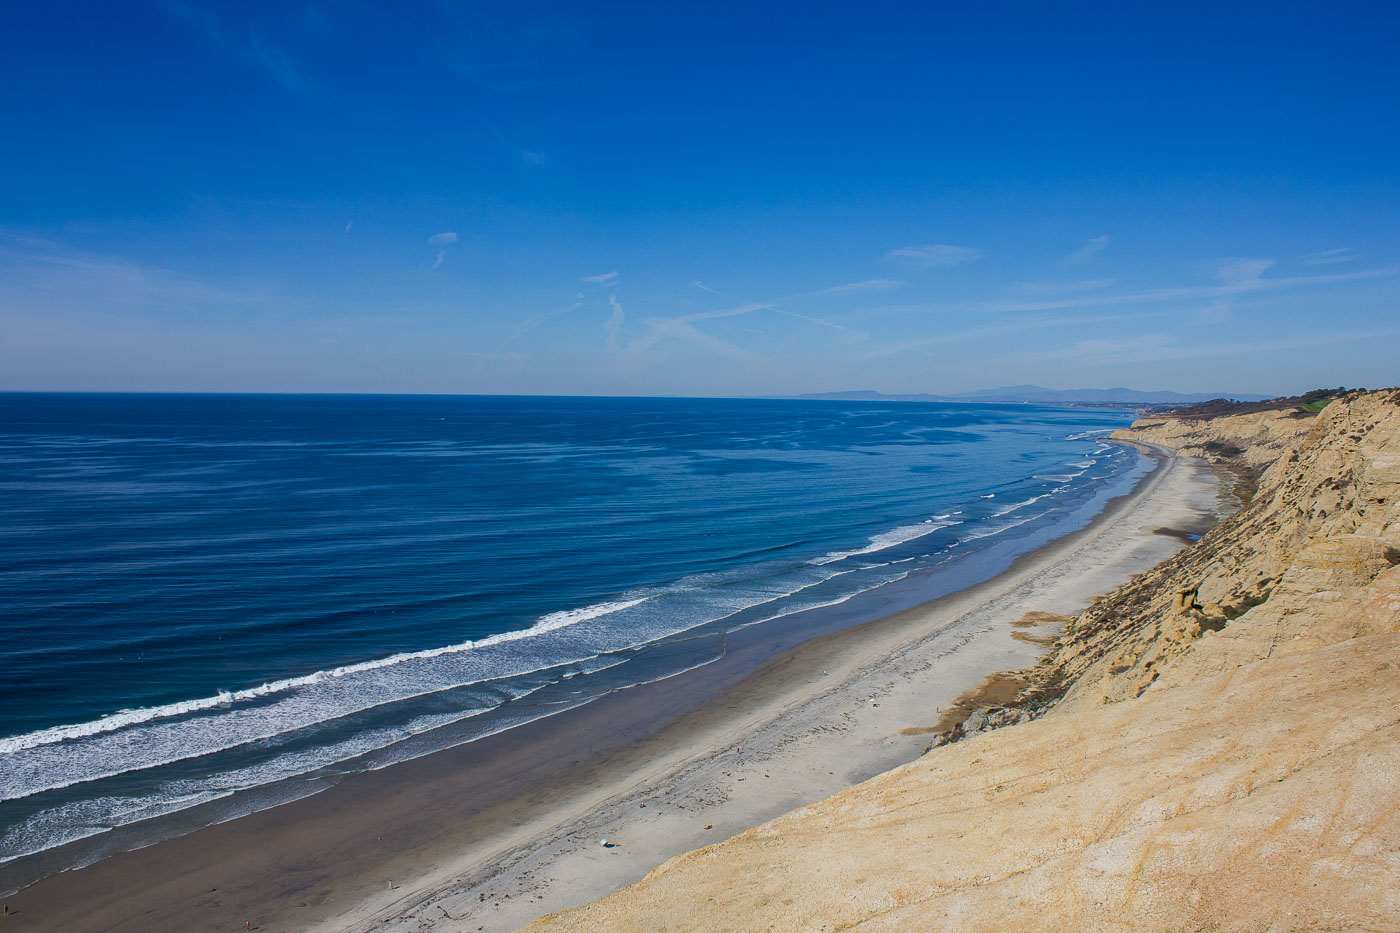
(1291,570)
(1257,439)
(1225,754)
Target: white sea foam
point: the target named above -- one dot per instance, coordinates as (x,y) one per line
(1058,477)
(94,758)
(838,601)
(132,717)
(888,539)
(1020,505)
(84,818)
(92,752)
(998,529)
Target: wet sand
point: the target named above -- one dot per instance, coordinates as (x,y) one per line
(490,835)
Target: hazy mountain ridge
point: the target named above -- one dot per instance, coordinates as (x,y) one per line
(1033,393)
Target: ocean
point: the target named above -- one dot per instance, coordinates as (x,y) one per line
(213,603)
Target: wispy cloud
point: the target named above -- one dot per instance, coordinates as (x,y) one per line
(1005,327)
(445,239)
(1246,273)
(869,285)
(747,307)
(254,52)
(807,317)
(1234,277)
(1063,288)
(277,63)
(1091,248)
(613,325)
(508,145)
(683,329)
(530,323)
(935,254)
(1156,347)
(1329,256)
(36,271)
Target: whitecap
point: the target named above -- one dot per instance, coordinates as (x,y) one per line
(1020,505)
(888,539)
(225,698)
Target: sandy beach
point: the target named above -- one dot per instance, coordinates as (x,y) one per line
(491,835)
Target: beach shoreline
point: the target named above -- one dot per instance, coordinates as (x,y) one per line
(451,841)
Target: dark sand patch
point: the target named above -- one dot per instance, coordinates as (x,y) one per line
(1034,619)
(995,691)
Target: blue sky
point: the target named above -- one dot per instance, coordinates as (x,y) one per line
(706,199)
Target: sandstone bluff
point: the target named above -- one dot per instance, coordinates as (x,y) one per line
(1214,746)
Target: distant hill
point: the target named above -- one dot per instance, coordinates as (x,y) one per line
(1313,402)
(1041,395)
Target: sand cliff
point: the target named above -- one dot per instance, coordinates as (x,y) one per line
(1215,745)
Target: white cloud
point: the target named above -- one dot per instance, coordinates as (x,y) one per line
(253,52)
(531,323)
(1091,248)
(613,325)
(1235,277)
(1063,288)
(869,285)
(41,269)
(442,239)
(601,279)
(1152,348)
(935,254)
(1328,256)
(1243,272)
(660,329)
(814,320)
(1006,327)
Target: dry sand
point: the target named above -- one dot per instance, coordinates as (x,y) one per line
(492,835)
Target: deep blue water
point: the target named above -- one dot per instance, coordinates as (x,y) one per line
(204,593)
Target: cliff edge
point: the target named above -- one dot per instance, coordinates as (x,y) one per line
(1215,745)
